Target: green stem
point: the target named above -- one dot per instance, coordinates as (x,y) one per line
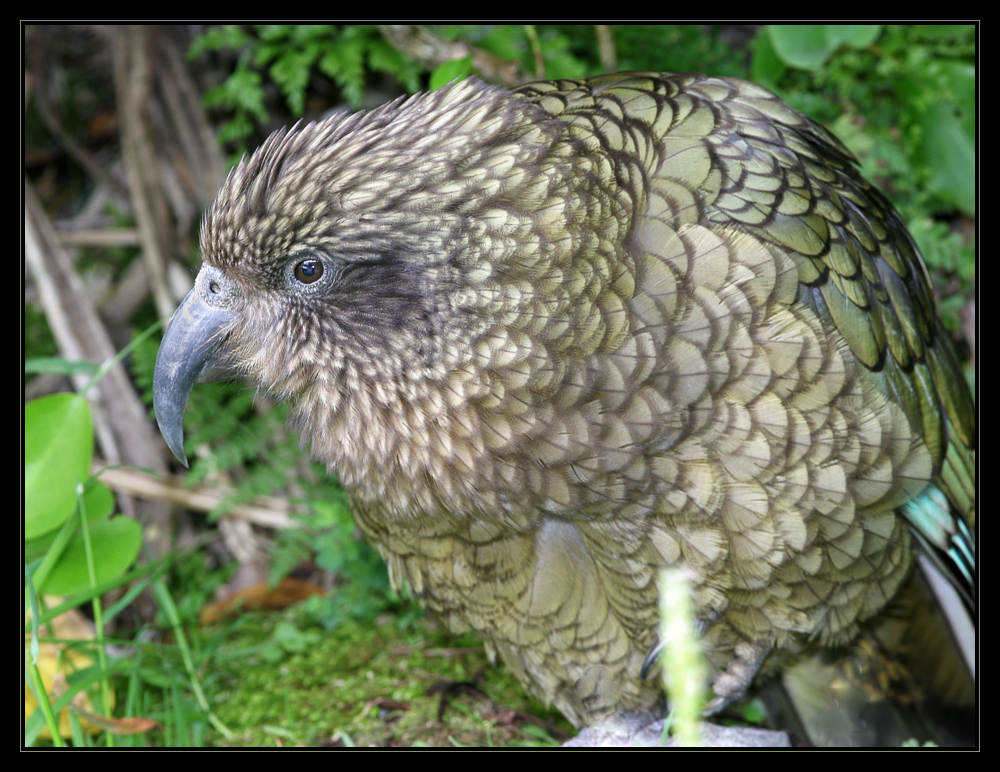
(167,604)
(34,677)
(95,604)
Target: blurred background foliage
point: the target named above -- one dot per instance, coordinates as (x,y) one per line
(129,130)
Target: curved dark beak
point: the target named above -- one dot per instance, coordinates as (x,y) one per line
(192,338)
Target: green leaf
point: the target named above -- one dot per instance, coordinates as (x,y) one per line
(384,58)
(98,502)
(948,144)
(799,45)
(58,445)
(807,46)
(507,41)
(115,544)
(445,73)
(344,62)
(766,66)
(951,154)
(853,35)
(216,38)
(291,72)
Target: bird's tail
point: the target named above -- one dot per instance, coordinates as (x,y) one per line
(909,678)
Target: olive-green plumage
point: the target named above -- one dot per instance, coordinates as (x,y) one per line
(556,338)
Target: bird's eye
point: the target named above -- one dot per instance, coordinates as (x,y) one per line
(309,271)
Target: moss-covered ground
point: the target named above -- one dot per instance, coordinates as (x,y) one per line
(282,682)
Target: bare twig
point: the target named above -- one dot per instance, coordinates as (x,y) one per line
(120,421)
(606,47)
(102,237)
(536,50)
(183,109)
(135,50)
(266,511)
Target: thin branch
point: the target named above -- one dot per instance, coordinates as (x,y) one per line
(266,511)
(134,51)
(120,420)
(606,47)
(195,135)
(100,237)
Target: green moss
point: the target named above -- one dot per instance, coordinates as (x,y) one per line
(288,683)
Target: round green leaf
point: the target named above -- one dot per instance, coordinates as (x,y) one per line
(58,445)
(799,45)
(807,46)
(853,35)
(98,503)
(766,66)
(115,544)
(98,500)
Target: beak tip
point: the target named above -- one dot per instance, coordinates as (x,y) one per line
(173,434)
(181,456)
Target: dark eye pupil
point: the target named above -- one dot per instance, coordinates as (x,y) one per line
(309,271)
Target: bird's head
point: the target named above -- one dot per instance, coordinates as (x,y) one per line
(389,268)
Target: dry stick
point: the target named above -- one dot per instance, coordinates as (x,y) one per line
(267,511)
(183,108)
(606,47)
(122,427)
(133,58)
